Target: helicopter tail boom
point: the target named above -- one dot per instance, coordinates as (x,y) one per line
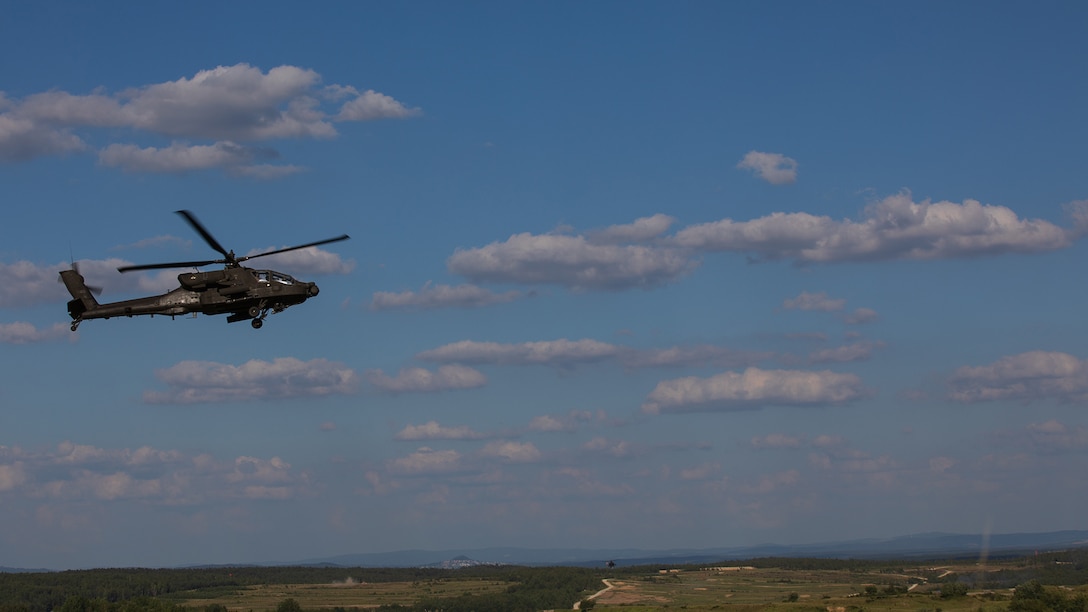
(83,298)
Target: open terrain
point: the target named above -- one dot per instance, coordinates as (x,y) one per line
(1051,581)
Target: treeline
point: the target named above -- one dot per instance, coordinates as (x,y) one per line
(542,588)
(126,590)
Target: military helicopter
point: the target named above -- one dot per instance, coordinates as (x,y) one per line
(241,293)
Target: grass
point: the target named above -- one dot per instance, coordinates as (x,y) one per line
(341,594)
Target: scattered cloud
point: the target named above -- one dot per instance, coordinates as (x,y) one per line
(861,316)
(311,260)
(1034,375)
(754,388)
(21,332)
(431,430)
(77,472)
(859,351)
(180,158)
(700,355)
(193,382)
(571,261)
(514,452)
(568,353)
(415,380)
(567,422)
(426,461)
(432,297)
(602,445)
(1055,435)
(813,301)
(641,230)
(24,284)
(227,105)
(554,352)
(893,228)
(775,168)
(771,482)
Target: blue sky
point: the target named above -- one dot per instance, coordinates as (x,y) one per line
(622,274)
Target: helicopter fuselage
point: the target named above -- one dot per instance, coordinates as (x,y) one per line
(240,292)
(243,293)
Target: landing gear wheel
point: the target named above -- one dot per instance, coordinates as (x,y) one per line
(257,323)
(254,312)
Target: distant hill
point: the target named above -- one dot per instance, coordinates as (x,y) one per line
(918,546)
(911,546)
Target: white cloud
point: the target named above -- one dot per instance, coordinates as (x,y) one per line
(555,352)
(566,353)
(1027,376)
(570,261)
(859,351)
(568,422)
(23,140)
(12,475)
(24,283)
(206,381)
(548,423)
(775,168)
(753,388)
(860,316)
(311,260)
(441,296)
(701,355)
(615,448)
(894,228)
(26,333)
(515,452)
(84,472)
(413,380)
(431,430)
(1054,434)
(427,461)
(771,482)
(225,105)
(371,105)
(641,230)
(701,472)
(813,301)
(177,158)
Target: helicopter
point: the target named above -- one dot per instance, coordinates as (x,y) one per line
(244,294)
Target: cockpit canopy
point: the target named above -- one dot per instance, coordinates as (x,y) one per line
(271,276)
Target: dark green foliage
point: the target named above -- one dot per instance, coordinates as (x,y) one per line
(952,589)
(289,605)
(1034,597)
(530,590)
(156,590)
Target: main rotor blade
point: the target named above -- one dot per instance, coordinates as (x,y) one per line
(295,248)
(212,242)
(176,264)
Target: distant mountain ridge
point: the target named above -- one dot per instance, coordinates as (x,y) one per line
(918,545)
(922,545)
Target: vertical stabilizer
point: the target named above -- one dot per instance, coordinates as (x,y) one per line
(83,298)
